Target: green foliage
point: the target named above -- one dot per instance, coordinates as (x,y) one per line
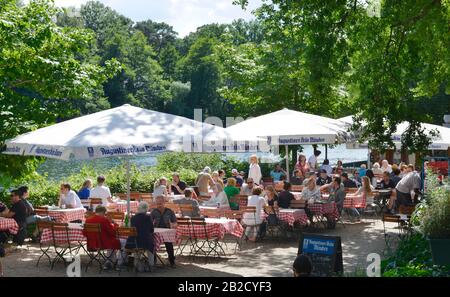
(42,77)
(412,258)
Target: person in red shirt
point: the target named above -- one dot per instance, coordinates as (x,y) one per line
(108,237)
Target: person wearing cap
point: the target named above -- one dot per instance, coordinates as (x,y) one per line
(323,178)
(204,181)
(143,223)
(239,180)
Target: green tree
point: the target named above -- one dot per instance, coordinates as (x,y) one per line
(41,76)
(201,69)
(341,54)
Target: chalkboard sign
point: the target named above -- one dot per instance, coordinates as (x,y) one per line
(325,253)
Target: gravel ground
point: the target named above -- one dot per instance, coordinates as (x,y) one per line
(266,258)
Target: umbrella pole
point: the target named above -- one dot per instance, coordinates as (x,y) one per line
(287,162)
(128,187)
(326,151)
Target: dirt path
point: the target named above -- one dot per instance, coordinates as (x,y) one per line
(267,258)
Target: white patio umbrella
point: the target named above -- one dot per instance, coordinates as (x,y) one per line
(290,127)
(439,142)
(121,131)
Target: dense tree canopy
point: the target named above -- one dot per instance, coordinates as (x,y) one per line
(386,62)
(43,72)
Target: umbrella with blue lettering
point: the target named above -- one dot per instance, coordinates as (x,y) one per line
(120,131)
(290,127)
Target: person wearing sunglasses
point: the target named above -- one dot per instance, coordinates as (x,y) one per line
(247,188)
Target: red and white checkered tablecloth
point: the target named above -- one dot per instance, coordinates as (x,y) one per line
(122,206)
(354,201)
(75,234)
(293,215)
(215,228)
(9,225)
(67,215)
(324,209)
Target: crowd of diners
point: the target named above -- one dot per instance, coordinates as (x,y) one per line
(402,179)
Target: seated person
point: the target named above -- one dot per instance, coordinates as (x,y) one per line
(108,236)
(143,223)
(253,221)
(395,176)
(348,183)
(356,178)
(247,188)
(101,191)
(326,165)
(164,217)
(18,212)
(285,197)
(231,191)
(32,217)
(311,192)
(178,186)
(239,180)
(362,170)
(160,188)
(204,181)
(271,196)
(188,200)
(219,200)
(297,178)
(302,266)
(323,178)
(337,192)
(387,182)
(277,173)
(85,190)
(68,197)
(309,175)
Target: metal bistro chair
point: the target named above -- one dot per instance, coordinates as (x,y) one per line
(249,213)
(94,202)
(185,239)
(130,233)
(234,215)
(116,216)
(277,226)
(62,244)
(186,210)
(204,243)
(44,247)
(97,254)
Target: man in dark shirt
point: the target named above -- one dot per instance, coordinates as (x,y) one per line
(396,176)
(387,182)
(348,183)
(323,178)
(18,212)
(164,218)
(178,186)
(285,197)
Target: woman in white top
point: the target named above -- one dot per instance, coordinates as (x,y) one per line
(253,220)
(311,192)
(160,188)
(254,170)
